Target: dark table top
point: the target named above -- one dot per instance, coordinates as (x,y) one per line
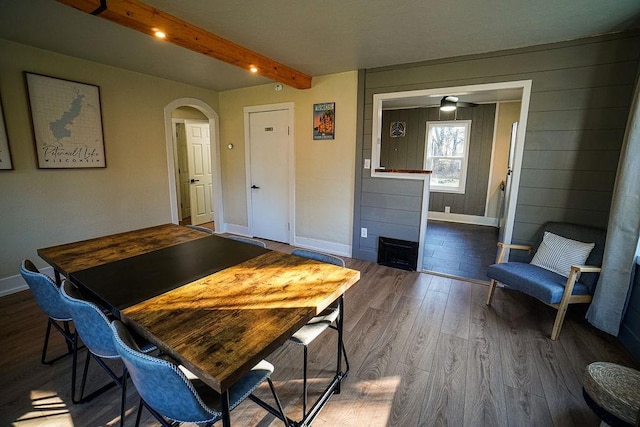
(123,283)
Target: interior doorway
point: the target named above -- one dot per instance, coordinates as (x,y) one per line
(184,110)
(463,229)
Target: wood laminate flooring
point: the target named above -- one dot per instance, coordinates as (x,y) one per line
(462,250)
(424,350)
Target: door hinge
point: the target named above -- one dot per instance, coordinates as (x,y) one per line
(288,226)
(288,130)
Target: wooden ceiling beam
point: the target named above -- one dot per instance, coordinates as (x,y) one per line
(146,19)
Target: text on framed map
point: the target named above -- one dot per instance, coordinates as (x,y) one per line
(67,123)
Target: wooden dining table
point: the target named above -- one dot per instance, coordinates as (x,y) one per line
(216,305)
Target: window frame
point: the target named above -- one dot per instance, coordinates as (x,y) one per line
(428,159)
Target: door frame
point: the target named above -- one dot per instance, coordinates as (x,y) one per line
(290,108)
(174,131)
(172,158)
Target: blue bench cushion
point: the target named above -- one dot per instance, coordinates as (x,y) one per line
(538,282)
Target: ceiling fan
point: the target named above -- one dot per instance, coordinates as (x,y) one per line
(451,103)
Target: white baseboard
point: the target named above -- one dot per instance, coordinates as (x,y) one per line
(464,219)
(242,230)
(324,246)
(12,284)
(302,242)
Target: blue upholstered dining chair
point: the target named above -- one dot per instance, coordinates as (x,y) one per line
(562,267)
(316,326)
(47,296)
(170,391)
(248,240)
(93,327)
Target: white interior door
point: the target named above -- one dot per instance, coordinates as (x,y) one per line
(269,174)
(200,181)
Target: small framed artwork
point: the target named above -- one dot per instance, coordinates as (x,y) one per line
(5,153)
(67,123)
(398,129)
(324,124)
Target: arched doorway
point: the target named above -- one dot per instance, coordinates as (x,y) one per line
(172,157)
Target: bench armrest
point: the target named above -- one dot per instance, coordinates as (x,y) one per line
(503,250)
(514,246)
(586,268)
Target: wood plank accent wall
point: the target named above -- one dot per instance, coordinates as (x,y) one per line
(408,152)
(580,100)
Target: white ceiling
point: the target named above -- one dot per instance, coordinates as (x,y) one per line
(315,37)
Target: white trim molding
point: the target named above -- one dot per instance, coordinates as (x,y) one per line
(464,219)
(12,284)
(324,246)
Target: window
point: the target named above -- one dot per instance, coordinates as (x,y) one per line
(447,149)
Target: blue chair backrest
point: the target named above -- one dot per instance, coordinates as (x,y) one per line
(197,227)
(90,322)
(247,240)
(45,292)
(159,382)
(317,256)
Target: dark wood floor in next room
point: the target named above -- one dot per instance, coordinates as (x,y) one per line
(462,250)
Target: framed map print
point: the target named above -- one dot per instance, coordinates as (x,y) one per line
(67,123)
(5,154)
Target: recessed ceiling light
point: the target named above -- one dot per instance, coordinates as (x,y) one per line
(253,69)
(159,34)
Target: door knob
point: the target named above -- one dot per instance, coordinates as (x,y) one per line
(255,186)
(194,180)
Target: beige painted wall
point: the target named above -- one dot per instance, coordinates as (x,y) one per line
(39,208)
(508,112)
(188,113)
(324,169)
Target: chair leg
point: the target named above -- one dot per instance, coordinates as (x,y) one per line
(557,325)
(66,333)
(46,343)
(304,382)
(123,403)
(139,415)
(84,375)
(492,288)
(69,334)
(278,404)
(153,412)
(346,359)
(74,368)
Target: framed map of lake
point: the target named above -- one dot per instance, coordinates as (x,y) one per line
(5,153)
(67,123)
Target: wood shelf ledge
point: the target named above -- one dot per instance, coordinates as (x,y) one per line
(420,171)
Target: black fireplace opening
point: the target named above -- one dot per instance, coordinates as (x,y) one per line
(397,253)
